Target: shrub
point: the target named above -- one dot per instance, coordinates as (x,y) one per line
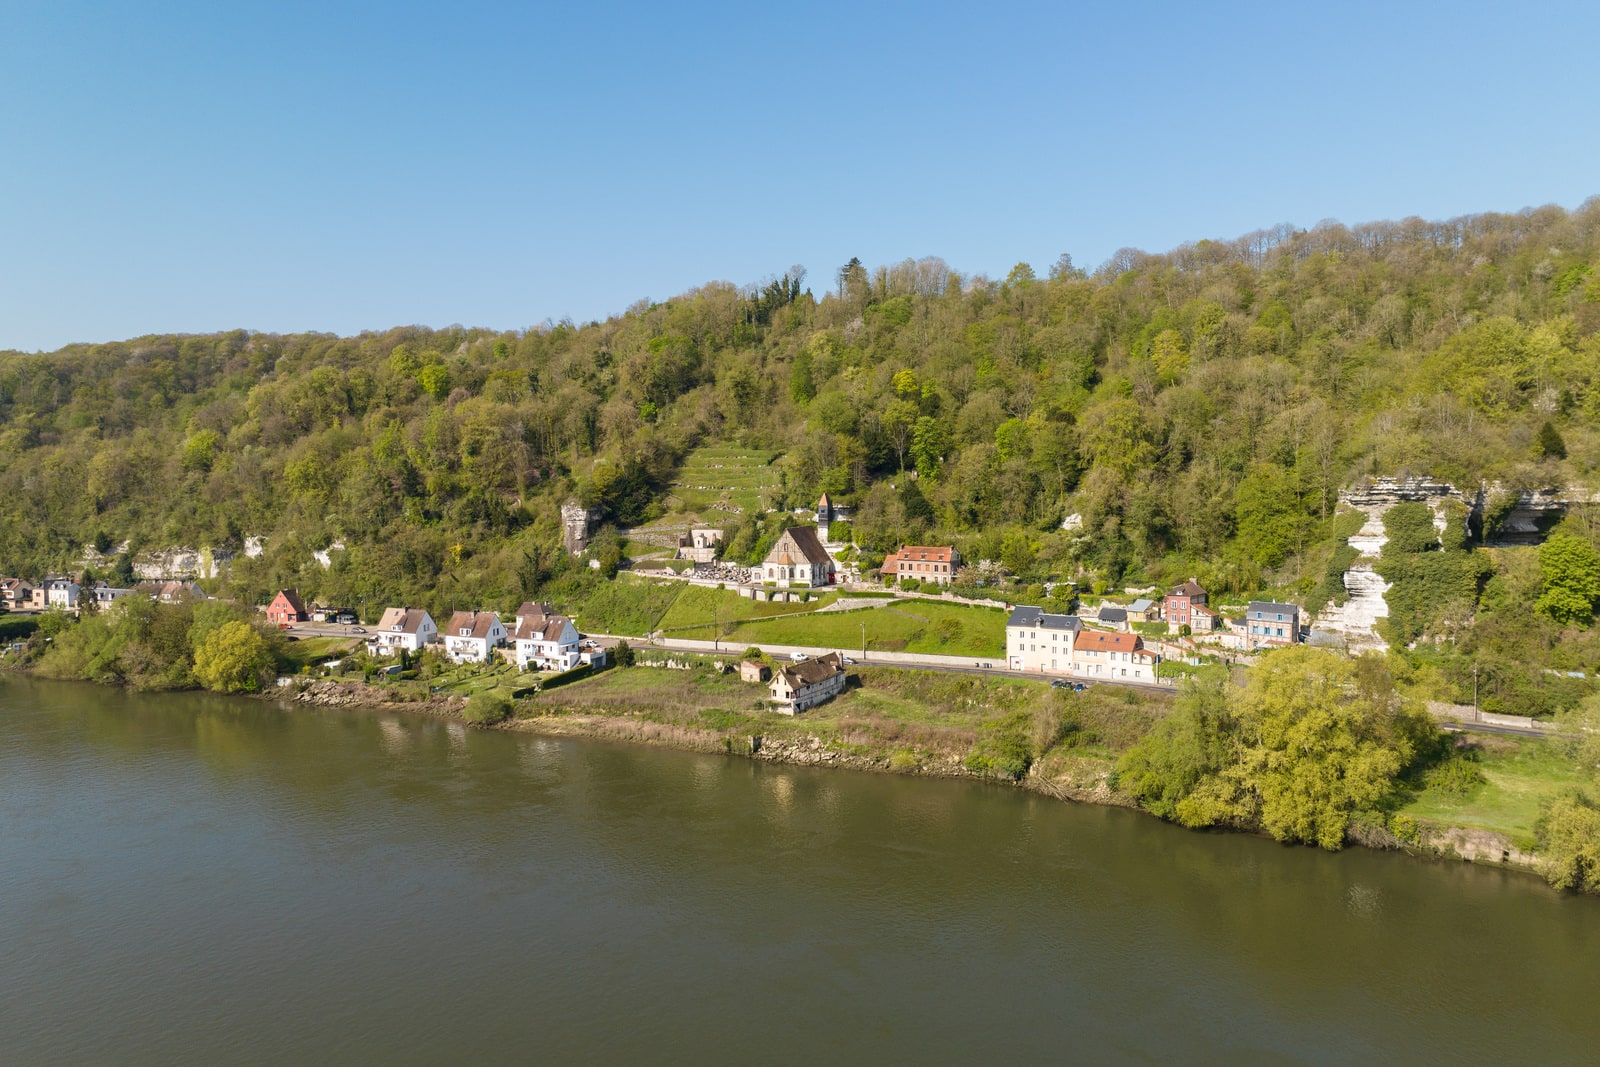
(1568,833)
(623,654)
(1457,775)
(486,708)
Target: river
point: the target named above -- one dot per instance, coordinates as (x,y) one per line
(195,880)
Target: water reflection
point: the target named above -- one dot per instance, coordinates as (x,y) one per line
(725,909)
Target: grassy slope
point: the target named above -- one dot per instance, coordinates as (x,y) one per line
(915,714)
(739,476)
(628,606)
(699,606)
(1521,773)
(907,626)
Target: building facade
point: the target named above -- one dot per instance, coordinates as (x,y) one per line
(925,563)
(798,560)
(1177,607)
(1038,642)
(472,635)
(402,630)
(806,684)
(286,608)
(1269,624)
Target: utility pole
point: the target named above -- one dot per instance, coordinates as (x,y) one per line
(863,640)
(1474,692)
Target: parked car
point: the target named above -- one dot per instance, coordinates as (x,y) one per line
(1060,683)
(798,657)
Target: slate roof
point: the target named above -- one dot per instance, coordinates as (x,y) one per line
(1113,614)
(1035,618)
(1190,588)
(1271,608)
(805,539)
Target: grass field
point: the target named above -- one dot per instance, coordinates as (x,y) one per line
(905,716)
(309,651)
(907,626)
(728,475)
(1521,772)
(699,606)
(628,606)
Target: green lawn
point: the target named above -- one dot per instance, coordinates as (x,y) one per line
(699,606)
(309,651)
(1521,773)
(923,626)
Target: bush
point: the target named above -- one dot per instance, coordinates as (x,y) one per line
(486,708)
(623,654)
(1456,776)
(1568,833)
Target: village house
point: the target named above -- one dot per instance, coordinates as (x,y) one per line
(1202,620)
(753,670)
(402,630)
(62,593)
(1112,615)
(923,563)
(106,595)
(798,686)
(1178,607)
(1037,642)
(1269,624)
(286,608)
(471,635)
(1144,610)
(172,592)
(15,593)
(544,640)
(1119,657)
(798,560)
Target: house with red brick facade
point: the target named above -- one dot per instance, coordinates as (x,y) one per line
(924,563)
(286,608)
(1178,607)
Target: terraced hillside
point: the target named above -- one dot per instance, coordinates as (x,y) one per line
(724,478)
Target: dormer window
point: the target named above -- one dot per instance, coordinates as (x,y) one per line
(466,631)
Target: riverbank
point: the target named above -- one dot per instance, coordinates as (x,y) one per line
(1016,732)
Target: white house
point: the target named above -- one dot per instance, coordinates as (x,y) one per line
(808,683)
(798,560)
(1039,642)
(544,640)
(471,635)
(402,629)
(62,593)
(106,595)
(1059,644)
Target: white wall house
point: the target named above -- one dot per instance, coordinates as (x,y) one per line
(62,593)
(808,683)
(402,629)
(472,635)
(1040,643)
(546,643)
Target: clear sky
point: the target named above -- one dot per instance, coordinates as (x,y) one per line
(286,166)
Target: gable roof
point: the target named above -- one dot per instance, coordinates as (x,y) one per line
(531,610)
(1100,641)
(934,553)
(804,539)
(1189,588)
(479,623)
(814,670)
(1142,604)
(1201,609)
(824,502)
(542,628)
(1036,618)
(1271,606)
(1113,614)
(288,596)
(402,620)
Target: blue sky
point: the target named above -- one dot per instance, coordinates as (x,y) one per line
(190,167)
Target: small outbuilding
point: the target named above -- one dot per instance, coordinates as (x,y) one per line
(753,670)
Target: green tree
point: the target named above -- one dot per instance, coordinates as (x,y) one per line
(1569,573)
(485,708)
(1568,835)
(1549,444)
(233,658)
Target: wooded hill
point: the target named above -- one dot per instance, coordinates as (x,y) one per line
(1199,409)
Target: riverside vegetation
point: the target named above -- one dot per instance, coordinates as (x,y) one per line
(1197,411)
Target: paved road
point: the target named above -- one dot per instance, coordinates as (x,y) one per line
(1491,728)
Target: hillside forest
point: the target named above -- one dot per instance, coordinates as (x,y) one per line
(1197,411)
